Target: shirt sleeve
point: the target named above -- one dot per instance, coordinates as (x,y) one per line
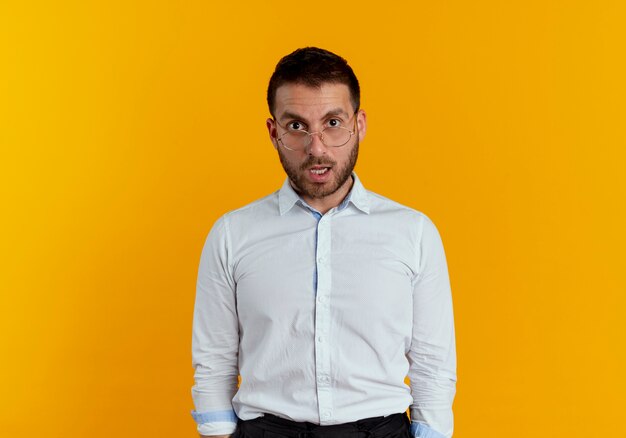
(432,355)
(215,337)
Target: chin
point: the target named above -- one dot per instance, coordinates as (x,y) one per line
(319,191)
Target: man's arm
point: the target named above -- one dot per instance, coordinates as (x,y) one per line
(432,355)
(215,340)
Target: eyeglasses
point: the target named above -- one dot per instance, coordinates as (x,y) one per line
(296,139)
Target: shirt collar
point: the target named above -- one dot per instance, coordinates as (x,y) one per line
(358,196)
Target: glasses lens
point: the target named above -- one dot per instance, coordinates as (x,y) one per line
(335,137)
(295,140)
(331,137)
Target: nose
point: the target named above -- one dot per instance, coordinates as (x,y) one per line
(316,147)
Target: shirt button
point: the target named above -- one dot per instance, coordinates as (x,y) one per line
(322,298)
(321,339)
(326,414)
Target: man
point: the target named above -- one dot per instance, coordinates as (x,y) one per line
(323,296)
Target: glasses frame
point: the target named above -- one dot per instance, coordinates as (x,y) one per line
(321,134)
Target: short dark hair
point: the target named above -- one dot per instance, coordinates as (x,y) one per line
(313,67)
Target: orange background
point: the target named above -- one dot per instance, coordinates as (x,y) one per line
(129,127)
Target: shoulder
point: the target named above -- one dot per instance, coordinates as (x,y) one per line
(241,220)
(380,204)
(403,216)
(237,227)
(256,210)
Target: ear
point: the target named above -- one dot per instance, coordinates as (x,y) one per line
(271,129)
(361,121)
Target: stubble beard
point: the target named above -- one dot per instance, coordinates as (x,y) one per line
(297,176)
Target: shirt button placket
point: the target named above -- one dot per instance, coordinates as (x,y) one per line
(322,321)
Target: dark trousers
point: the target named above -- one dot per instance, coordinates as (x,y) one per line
(270,426)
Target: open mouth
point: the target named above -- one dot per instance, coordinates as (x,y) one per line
(319,170)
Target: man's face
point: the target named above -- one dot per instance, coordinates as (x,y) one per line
(317,171)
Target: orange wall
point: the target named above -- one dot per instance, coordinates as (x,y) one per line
(129,127)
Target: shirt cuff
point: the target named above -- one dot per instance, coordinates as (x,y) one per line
(215,422)
(422,430)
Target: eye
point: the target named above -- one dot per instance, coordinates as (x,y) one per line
(334,123)
(295,126)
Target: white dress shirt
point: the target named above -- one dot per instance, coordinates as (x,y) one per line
(323,316)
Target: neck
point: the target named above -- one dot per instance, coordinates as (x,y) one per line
(323,205)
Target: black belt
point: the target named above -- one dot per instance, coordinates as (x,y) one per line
(366,428)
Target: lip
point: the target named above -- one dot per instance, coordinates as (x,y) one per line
(319,178)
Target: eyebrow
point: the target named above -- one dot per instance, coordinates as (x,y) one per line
(332,112)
